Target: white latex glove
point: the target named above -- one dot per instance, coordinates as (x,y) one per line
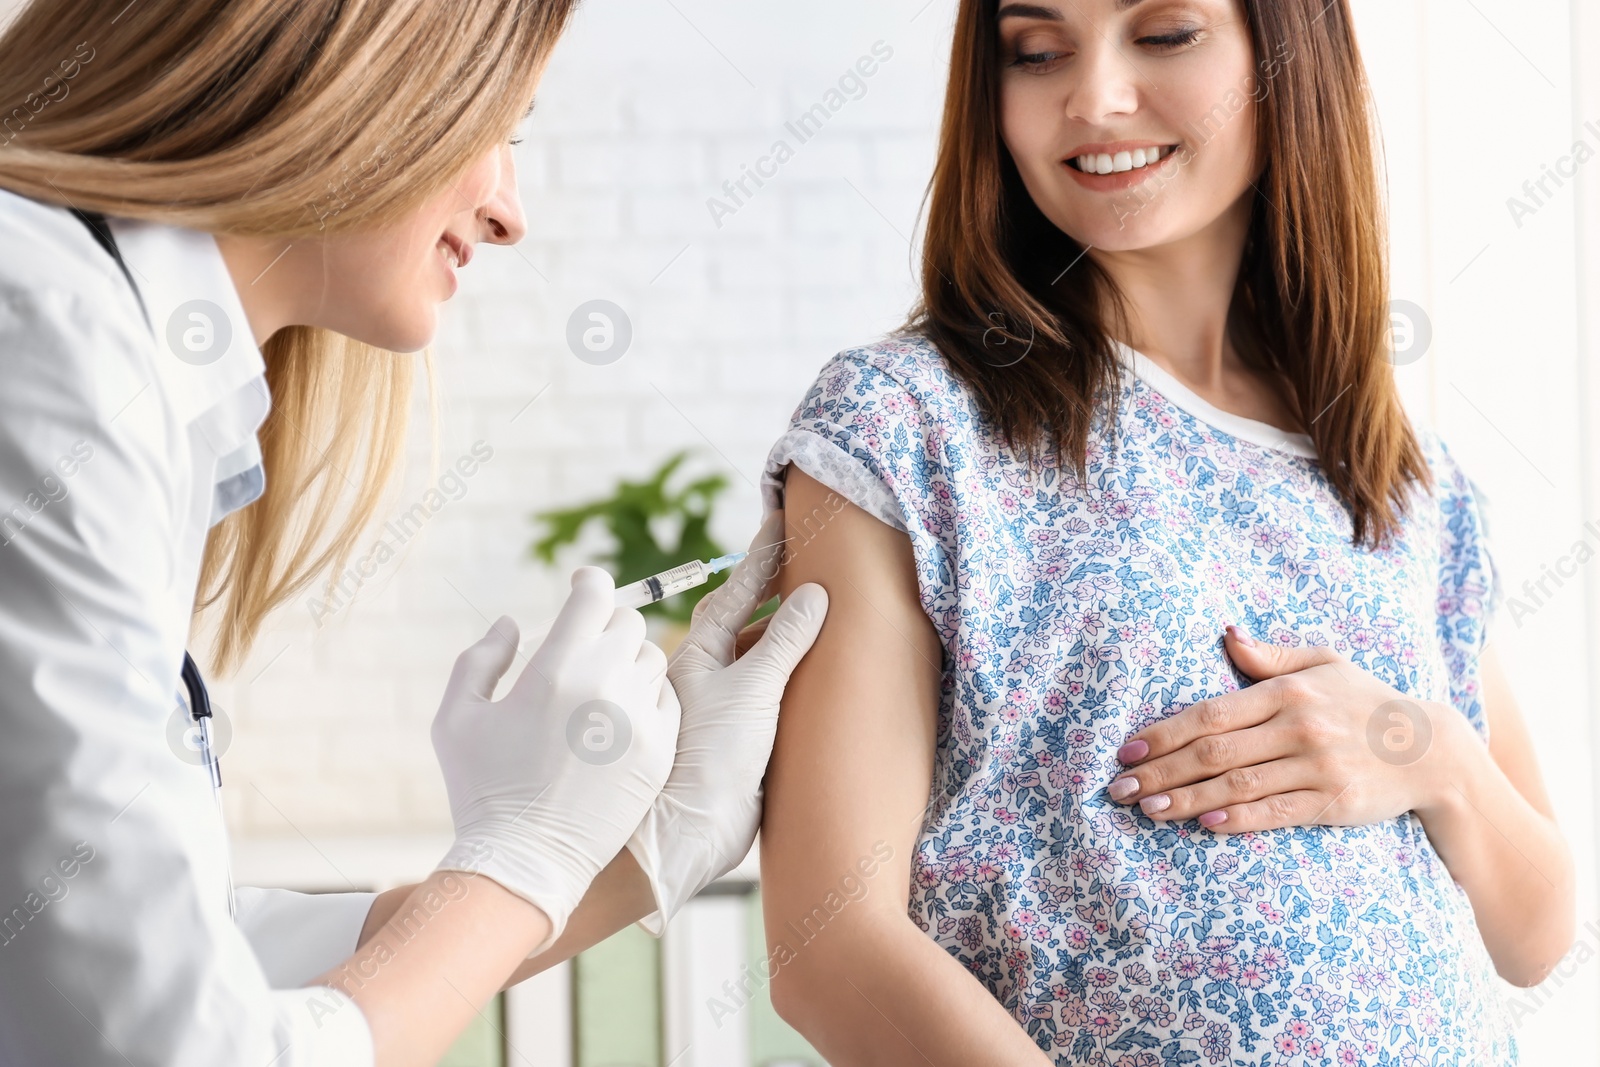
(547,783)
(706,818)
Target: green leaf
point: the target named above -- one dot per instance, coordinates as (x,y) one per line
(636,552)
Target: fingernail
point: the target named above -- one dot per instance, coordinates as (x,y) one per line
(1240,636)
(1159,802)
(1123,788)
(1213,818)
(1133,750)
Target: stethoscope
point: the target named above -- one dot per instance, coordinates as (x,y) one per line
(200,715)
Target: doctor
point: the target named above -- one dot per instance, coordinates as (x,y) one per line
(200,402)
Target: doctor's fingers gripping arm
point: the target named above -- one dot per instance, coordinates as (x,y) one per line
(115,942)
(706,818)
(846,797)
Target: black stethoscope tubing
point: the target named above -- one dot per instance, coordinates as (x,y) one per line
(200,713)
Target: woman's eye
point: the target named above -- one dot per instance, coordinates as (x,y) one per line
(1176,39)
(515,141)
(1036,62)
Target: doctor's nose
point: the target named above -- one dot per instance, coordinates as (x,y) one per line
(502,217)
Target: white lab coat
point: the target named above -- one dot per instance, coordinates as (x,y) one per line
(116,457)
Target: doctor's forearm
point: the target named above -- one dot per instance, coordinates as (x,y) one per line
(619,895)
(383,908)
(434,962)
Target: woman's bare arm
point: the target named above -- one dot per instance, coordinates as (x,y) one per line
(1496,831)
(846,795)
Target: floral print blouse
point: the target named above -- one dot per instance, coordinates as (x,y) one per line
(1073,613)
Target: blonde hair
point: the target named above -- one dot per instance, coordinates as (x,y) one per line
(280,118)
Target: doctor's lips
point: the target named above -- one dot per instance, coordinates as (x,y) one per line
(1117,164)
(455,252)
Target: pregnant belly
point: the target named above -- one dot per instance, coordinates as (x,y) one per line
(1322,944)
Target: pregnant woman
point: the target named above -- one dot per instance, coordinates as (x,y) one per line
(1148,394)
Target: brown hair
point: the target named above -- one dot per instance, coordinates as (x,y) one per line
(1311,307)
(274,118)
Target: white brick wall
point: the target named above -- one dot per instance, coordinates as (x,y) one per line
(638,123)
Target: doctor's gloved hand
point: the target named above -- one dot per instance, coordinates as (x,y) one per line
(706,818)
(547,783)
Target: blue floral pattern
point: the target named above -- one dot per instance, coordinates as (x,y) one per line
(1073,612)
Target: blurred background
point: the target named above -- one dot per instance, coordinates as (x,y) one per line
(717,312)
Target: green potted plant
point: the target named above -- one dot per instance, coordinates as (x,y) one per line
(642,518)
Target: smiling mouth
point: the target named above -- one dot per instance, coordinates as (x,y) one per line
(1120,162)
(453,252)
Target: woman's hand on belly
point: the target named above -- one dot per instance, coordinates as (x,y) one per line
(1316,741)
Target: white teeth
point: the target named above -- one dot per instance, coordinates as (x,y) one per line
(1122,161)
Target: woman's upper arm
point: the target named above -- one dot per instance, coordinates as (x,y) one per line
(1510,744)
(851,772)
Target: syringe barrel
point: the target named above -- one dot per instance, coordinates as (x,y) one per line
(660,586)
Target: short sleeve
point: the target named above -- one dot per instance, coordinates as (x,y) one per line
(880,427)
(1469,582)
(837,437)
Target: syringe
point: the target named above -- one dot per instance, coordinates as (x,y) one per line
(671,583)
